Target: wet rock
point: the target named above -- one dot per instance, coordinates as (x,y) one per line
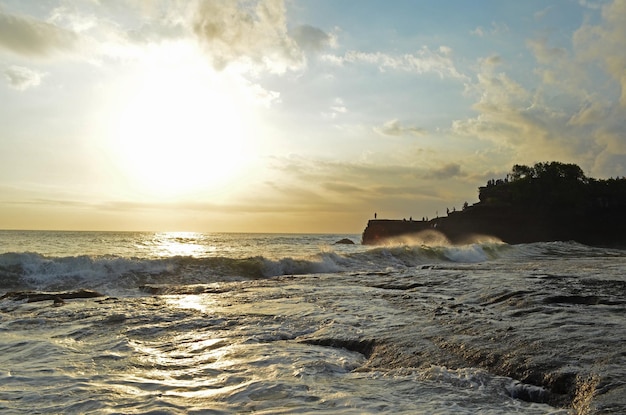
(344,241)
(32,297)
(363,346)
(528,393)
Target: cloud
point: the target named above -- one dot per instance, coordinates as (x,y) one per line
(21,78)
(362,179)
(447,171)
(311,38)
(337,108)
(393,190)
(571,111)
(261,96)
(247,32)
(421,62)
(543,13)
(590,5)
(606,43)
(493,60)
(543,53)
(510,115)
(27,36)
(496,29)
(395,128)
(342,187)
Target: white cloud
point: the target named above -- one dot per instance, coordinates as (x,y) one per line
(337,108)
(421,62)
(22,78)
(65,16)
(261,96)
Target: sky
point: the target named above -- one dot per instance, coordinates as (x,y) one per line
(295,115)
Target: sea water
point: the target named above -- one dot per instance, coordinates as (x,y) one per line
(191,323)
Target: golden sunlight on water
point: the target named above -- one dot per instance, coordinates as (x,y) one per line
(182,366)
(191,302)
(168,244)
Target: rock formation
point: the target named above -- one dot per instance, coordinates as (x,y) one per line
(547,202)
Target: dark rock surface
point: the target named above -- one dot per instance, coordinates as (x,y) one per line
(57,298)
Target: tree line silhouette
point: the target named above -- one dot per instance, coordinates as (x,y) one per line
(554,186)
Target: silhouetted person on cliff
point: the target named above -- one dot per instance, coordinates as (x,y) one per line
(375,215)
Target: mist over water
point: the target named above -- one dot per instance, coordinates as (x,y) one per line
(230,323)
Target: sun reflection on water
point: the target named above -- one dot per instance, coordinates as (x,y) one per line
(187,364)
(189,302)
(169,244)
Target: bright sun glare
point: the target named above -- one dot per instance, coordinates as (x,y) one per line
(181,127)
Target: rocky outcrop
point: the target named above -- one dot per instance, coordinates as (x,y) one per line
(510,225)
(547,202)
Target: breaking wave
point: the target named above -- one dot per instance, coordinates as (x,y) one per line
(33,271)
(38,272)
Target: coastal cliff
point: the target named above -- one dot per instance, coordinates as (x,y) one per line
(546,202)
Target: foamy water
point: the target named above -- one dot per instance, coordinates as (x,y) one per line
(231,323)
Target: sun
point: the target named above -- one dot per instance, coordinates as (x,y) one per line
(180,127)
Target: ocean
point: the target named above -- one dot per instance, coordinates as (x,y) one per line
(192,323)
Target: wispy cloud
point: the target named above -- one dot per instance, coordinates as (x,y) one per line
(446,171)
(496,29)
(590,4)
(424,61)
(362,181)
(395,128)
(337,108)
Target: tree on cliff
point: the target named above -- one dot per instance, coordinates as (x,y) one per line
(552,171)
(550,185)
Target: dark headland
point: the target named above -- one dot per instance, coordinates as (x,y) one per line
(546,202)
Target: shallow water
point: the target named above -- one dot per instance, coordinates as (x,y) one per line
(491,329)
